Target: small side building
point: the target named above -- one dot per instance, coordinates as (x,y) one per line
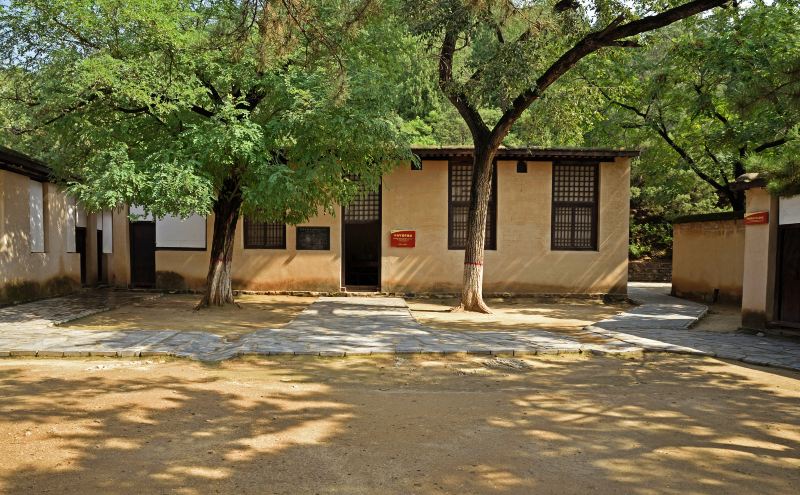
(771,274)
(48,245)
(751,258)
(34,259)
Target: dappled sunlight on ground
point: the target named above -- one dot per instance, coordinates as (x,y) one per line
(515,314)
(392,424)
(176,312)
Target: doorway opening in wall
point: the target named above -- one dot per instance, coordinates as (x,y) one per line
(80,247)
(101,276)
(361,243)
(143,254)
(788,290)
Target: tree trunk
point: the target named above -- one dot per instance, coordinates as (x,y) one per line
(472,291)
(226,214)
(737,200)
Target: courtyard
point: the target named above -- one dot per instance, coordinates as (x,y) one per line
(399,424)
(302,394)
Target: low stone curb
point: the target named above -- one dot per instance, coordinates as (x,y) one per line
(589,349)
(386,327)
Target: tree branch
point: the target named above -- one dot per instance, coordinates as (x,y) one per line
(212,91)
(662,131)
(201,111)
(608,36)
(613,101)
(469,113)
(771,144)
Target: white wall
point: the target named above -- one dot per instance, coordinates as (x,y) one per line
(138,212)
(176,232)
(36,215)
(105,221)
(71,220)
(789,210)
(80,217)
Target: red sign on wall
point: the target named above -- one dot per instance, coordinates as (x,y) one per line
(403,238)
(757,218)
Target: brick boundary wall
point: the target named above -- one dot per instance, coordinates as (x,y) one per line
(659,270)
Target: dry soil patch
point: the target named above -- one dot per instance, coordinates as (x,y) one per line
(566,316)
(725,318)
(176,312)
(663,425)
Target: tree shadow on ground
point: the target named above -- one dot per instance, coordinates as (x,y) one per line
(177,312)
(398,425)
(561,316)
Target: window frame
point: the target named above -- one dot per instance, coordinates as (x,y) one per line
(492,208)
(594,204)
(327,230)
(246,226)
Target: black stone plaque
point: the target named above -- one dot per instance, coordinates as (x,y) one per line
(313,238)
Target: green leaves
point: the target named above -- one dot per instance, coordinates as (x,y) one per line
(718,95)
(157,102)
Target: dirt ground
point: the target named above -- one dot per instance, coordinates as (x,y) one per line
(659,425)
(515,314)
(176,312)
(721,318)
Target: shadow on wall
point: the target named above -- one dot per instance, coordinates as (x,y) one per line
(672,426)
(25,275)
(594,273)
(167,280)
(19,292)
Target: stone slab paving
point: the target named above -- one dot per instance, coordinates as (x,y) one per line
(340,326)
(58,310)
(662,323)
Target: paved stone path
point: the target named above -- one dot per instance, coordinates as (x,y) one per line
(338,326)
(661,323)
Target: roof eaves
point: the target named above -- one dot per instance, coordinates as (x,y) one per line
(19,163)
(528,153)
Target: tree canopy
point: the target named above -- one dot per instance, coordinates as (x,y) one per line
(157,102)
(719,95)
(265,107)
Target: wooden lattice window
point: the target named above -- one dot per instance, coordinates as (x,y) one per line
(264,235)
(459,181)
(574,212)
(366,208)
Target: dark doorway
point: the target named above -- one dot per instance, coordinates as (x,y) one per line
(143,254)
(789,274)
(100,278)
(361,229)
(80,247)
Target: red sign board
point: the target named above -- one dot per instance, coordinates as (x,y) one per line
(403,238)
(757,218)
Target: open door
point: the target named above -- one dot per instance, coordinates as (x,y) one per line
(789,274)
(143,254)
(361,242)
(80,247)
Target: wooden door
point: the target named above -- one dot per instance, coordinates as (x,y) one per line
(361,229)
(143,254)
(789,274)
(80,247)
